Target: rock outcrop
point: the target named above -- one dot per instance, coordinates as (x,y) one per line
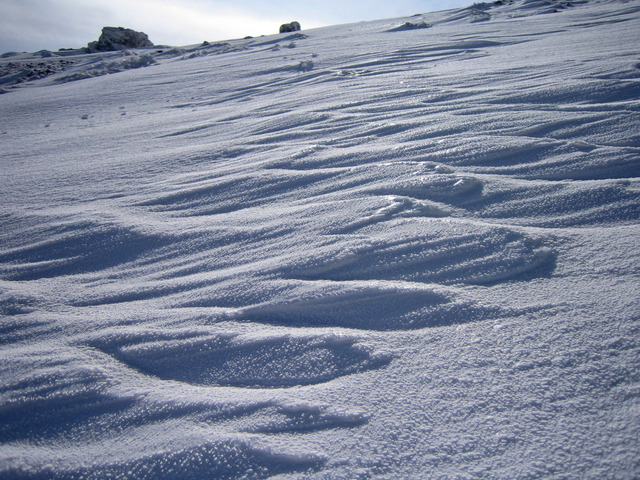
(118,38)
(289,27)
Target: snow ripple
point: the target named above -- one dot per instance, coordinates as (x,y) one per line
(224,360)
(363,251)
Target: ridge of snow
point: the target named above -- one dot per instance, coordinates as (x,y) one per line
(360,251)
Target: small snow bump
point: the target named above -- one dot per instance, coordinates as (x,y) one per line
(305,66)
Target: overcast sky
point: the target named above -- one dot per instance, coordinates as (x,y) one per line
(32,25)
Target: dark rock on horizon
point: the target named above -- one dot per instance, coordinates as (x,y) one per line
(118,38)
(289,27)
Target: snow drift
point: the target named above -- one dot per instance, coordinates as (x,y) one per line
(405,248)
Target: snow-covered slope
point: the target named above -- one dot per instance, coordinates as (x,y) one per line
(396,249)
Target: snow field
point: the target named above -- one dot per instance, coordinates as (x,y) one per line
(362,251)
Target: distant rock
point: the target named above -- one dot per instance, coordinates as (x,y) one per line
(289,27)
(13,73)
(118,38)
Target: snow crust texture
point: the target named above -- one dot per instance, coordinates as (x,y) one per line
(396,249)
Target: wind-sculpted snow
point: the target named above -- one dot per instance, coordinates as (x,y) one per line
(69,249)
(223,460)
(444,253)
(225,360)
(376,250)
(364,305)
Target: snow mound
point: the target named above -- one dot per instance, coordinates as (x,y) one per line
(410,26)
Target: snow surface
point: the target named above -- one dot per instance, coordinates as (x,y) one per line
(406,248)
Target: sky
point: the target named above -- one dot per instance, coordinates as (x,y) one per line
(33,25)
